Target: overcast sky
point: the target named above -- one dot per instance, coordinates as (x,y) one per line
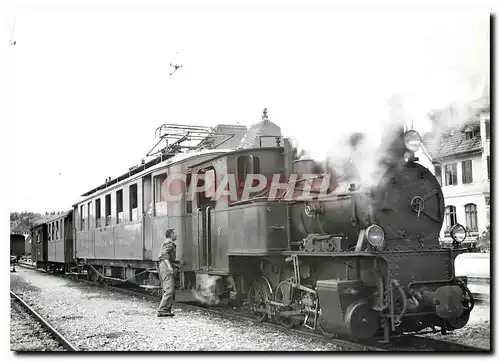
(87,88)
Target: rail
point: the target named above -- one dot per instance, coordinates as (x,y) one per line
(56,334)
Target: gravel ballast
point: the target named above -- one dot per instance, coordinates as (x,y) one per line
(99,320)
(26,334)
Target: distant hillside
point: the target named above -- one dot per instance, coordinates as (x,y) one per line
(21,222)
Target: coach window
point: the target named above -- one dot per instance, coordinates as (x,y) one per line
(161,195)
(132,193)
(471,217)
(82,217)
(89,215)
(60,228)
(107,206)
(50,230)
(98,212)
(119,206)
(451,217)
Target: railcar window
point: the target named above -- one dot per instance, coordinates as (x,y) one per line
(60,228)
(119,206)
(50,234)
(98,212)
(132,193)
(471,217)
(189,201)
(89,214)
(451,217)
(450,174)
(161,195)
(82,217)
(107,210)
(467,171)
(487,125)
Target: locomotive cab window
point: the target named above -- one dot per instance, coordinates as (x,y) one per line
(119,206)
(247,164)
(161,195)
(133,202)
(208,185)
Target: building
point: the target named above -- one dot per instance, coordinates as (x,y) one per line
(460,149)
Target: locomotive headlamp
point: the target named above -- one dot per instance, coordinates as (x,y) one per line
(412,140)
(458,233)
(375,235)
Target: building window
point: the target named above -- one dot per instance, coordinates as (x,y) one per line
(450,174)
(107,206)
(487,126)
(488,165)
(98,212)
(82,217)
(439,176)
(119,206)
(487,201)
(468,135)
(466,171)
(471,217)
(132,194)
(451,217)
(161,195)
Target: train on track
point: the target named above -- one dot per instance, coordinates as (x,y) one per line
(276,233)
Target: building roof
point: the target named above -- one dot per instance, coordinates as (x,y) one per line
(453,142)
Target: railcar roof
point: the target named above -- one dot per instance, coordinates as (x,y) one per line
(171,160)
(47,219)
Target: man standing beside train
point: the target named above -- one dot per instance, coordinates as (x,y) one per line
(166,264)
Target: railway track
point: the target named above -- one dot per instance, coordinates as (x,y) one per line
(37,333)
(397,344)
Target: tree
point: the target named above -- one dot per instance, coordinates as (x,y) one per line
(484,240)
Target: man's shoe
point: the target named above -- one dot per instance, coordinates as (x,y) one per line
(165,314)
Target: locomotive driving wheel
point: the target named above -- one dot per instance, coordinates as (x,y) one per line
(258,298)
(284,295)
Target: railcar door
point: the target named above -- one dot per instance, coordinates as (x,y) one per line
(206,205)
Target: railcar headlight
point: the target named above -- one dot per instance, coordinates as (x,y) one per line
(458,233)
(412,140)
(375,235)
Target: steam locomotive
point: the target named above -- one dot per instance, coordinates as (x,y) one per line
(347,258)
